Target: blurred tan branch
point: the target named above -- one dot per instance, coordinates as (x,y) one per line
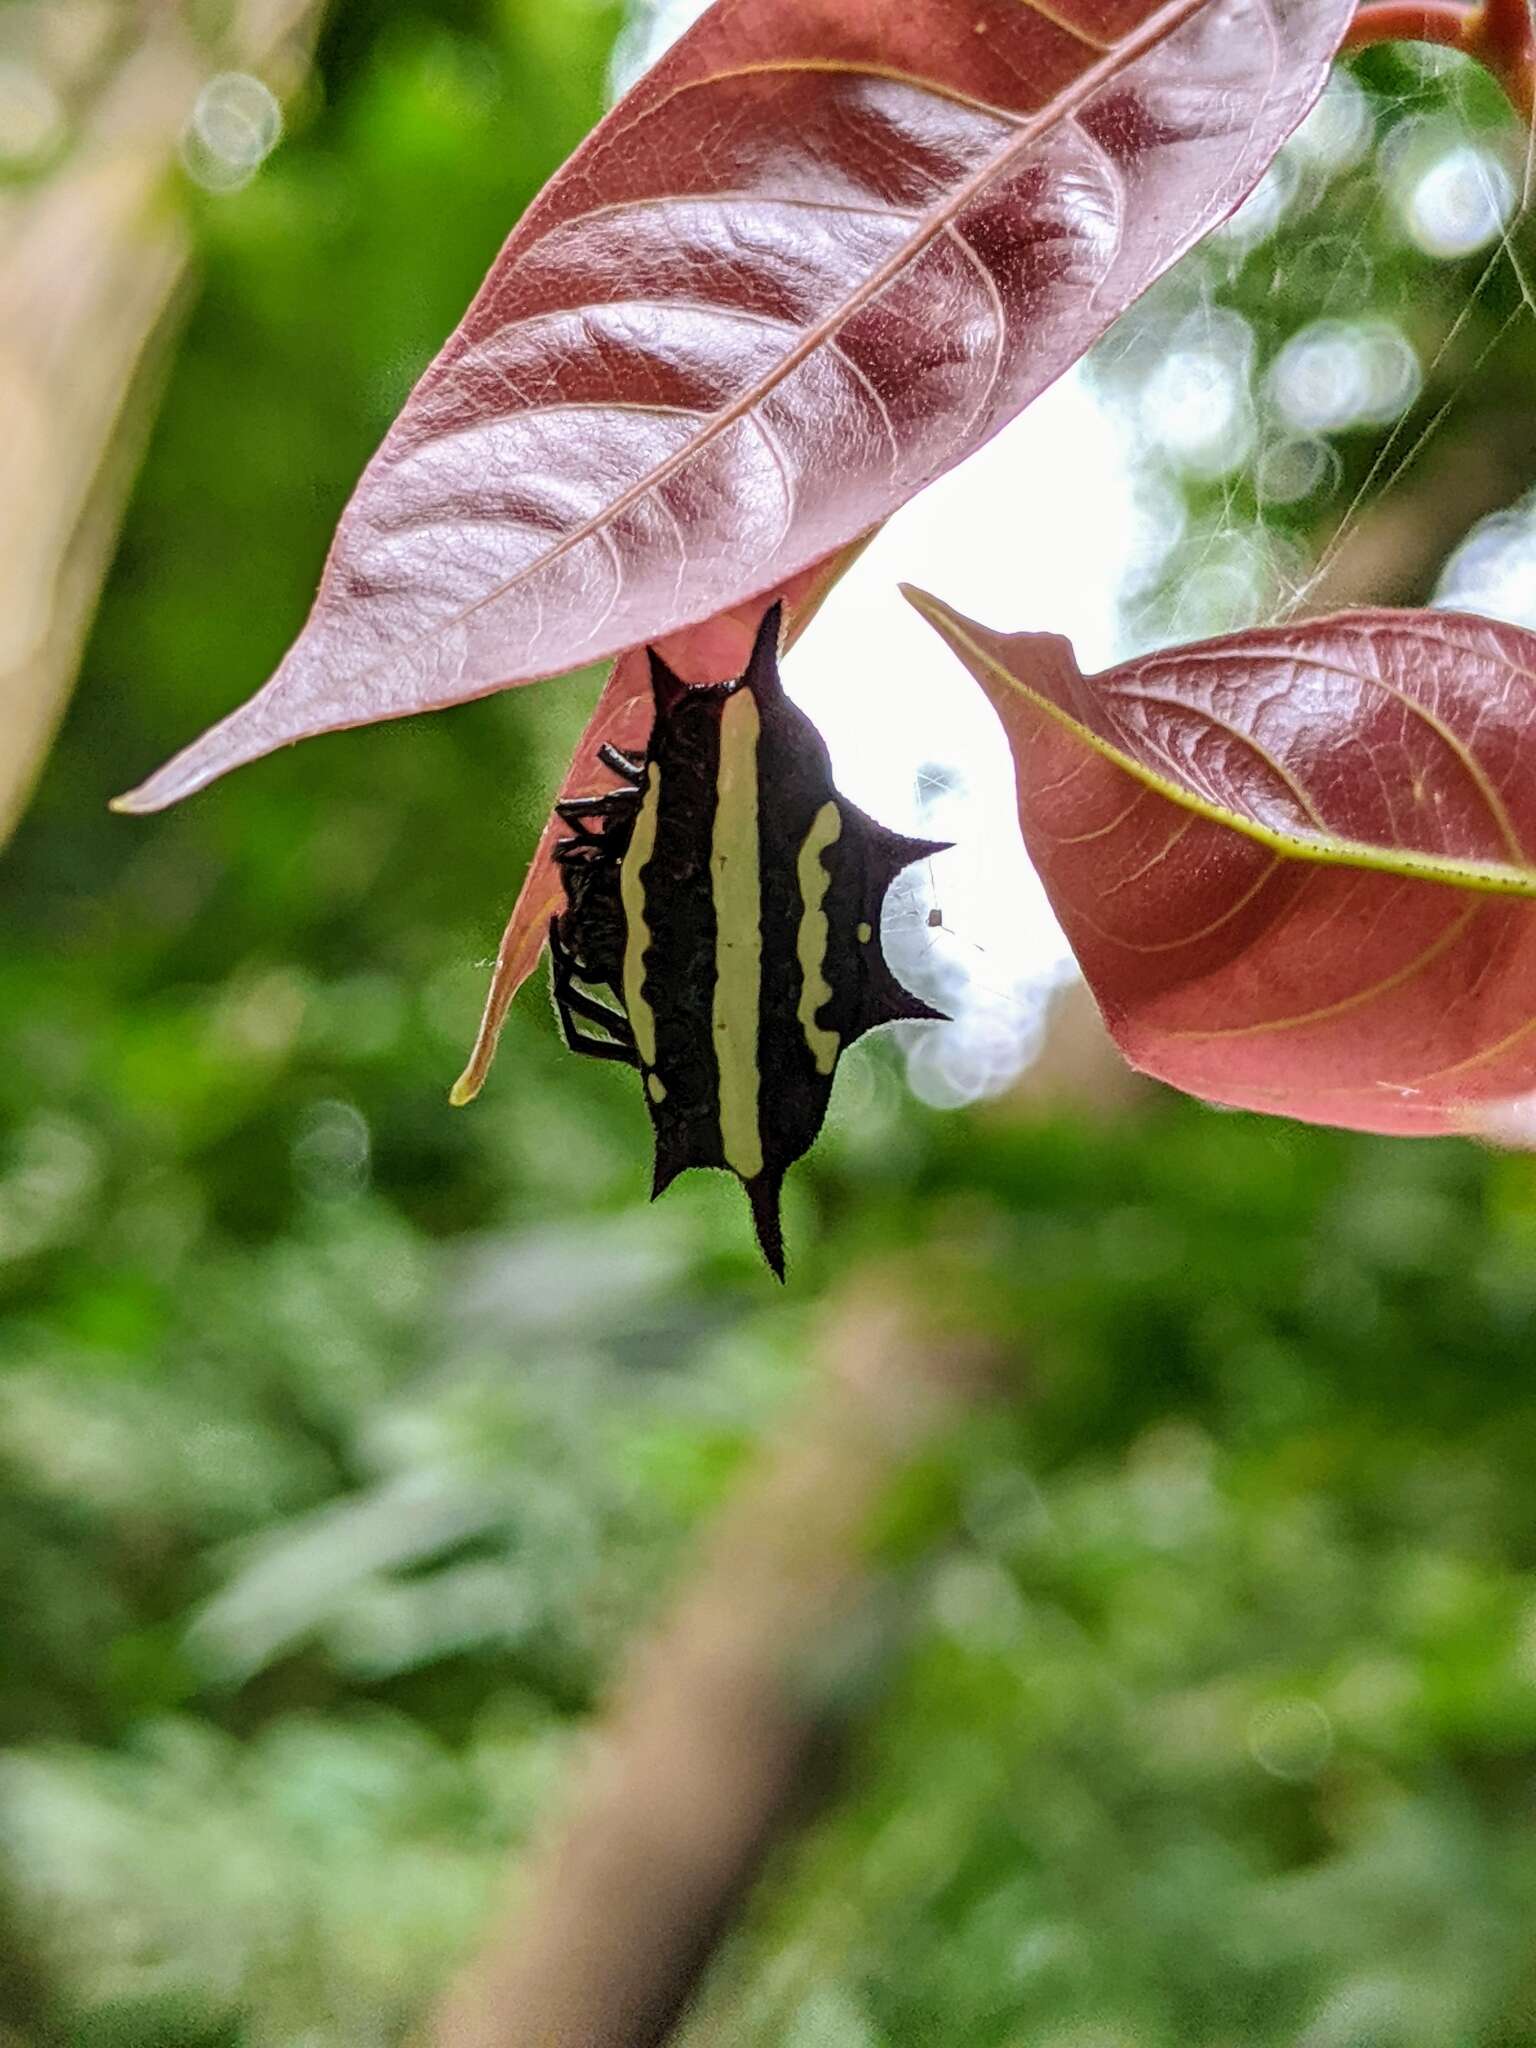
(1393,553)
(705,1752)
(91,261)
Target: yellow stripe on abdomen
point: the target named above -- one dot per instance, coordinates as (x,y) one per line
(815,933)
(637,932)
(736,883)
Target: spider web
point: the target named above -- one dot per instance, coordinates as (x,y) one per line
(1406,443)
(1398,454)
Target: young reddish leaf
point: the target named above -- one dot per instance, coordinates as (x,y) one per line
(820,253)
(711,653)
(1297,866)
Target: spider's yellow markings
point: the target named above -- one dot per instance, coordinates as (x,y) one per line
(815,934)
(637,933)
(737,887)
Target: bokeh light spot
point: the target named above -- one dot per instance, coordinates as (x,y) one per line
(1337,374)
(1336,135)
(1494,569)
(235,125)
(1195,405)
(1290,470)
(1290,1739)
(31,117)
(1461,203)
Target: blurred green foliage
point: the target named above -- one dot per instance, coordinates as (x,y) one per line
(344,1438)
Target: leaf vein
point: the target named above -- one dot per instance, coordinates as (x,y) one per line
(1387,985)
(1027,132)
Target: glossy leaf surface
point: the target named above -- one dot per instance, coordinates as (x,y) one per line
(1297,867)
(820,253)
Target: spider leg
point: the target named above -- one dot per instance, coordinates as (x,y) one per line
(575,808)
(581,834)
(613,835)
(630,766)
(571,1004)
(593,1048)
(593,1012)
(581,847)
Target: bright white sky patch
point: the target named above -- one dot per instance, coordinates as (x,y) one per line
(1034,532)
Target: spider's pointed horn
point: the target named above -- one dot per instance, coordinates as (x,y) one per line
(672,1150)
(763,1194)
(895,851)
(894,1004)
(762,670)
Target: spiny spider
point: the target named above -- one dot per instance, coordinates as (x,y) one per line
(727,899)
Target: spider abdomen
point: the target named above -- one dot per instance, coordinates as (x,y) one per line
(732,904)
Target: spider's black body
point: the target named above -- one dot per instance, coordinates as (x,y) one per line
(726,900)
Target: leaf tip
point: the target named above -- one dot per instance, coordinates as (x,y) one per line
(144,798)
(156,792)
(920,600)
(949,624)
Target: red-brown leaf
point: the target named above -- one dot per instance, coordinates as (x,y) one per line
(819,254)
(1297,866)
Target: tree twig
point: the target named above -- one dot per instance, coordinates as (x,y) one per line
(705,1750)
